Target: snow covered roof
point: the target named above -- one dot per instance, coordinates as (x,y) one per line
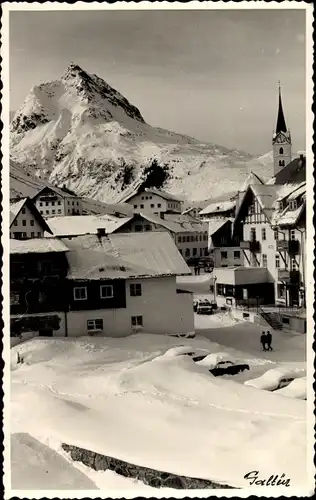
(16,206)
(60,191)
(95,207)
(222,206)
(288,217)
(74,225)
(138,188)
(252,179)
(294,172)
(37,245)
(268,197)
(215,225)
(176,223)
(124,255)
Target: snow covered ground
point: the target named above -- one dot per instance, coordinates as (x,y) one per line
(122,398)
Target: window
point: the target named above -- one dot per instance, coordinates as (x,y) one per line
(23,222)
(46,203)
(142,206)
(59,211)
(143,197)
(41,212)
(137,320)
(32,222)
(251,209)
(293,264)
(293,205)
(159,205)
(59,202)
(23,235)
(138,228)
(41,204)
(147,227)
(281,151)
(236,254)
(106,291)
(77,203)
(80,293)
(135,206)
(264,260)
(95,325)
(47,211)
(220,289)
(187,252)
(152,205)
(223,255)
(281,290)
(146,197)
(179,239)
(277,261)
(53,203)
(32,234)
(253,234)
(292,234)
(205,237)
(15,223)
(194,251)
(263,233)
(39,234)
(23,210)
(276,235)
(281,163)
(53,211)
(135,290)
(73,203)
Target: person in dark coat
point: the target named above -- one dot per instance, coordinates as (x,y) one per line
(269,340)
(263,340)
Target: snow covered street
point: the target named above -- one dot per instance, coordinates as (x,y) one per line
(131,402)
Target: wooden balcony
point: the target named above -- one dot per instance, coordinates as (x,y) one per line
(289,246)
(252,245)
(289,276)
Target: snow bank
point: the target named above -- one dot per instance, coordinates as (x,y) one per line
(271,379)
(296,389)
(212,360)
(166,413)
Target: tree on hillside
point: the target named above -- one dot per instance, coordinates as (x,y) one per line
(155,175)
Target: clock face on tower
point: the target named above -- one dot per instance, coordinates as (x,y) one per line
(280,139)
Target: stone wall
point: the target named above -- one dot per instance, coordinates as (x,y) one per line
(150,477)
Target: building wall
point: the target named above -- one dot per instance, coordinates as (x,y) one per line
(189,244)
(27,225)
(149,202)
(192,244)
(162,309)
(275,259)
(58,205)
(228,256)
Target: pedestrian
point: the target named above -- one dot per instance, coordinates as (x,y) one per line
(269,340)
(263,340)
(195,270)
(198,269)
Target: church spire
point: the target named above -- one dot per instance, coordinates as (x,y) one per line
(281,125)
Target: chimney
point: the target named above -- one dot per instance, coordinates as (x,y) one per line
(302,161)
(101,232)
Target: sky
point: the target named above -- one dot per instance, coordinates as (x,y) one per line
(212,75)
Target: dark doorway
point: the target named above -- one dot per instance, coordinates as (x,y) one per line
(45,333)
(293,296)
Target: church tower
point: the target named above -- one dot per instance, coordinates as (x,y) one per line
(281,141)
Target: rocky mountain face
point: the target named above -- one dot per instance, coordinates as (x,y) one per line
(81,132)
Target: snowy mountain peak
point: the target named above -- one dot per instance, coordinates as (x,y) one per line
(82,132)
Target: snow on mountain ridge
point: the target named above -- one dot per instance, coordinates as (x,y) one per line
(81,132)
